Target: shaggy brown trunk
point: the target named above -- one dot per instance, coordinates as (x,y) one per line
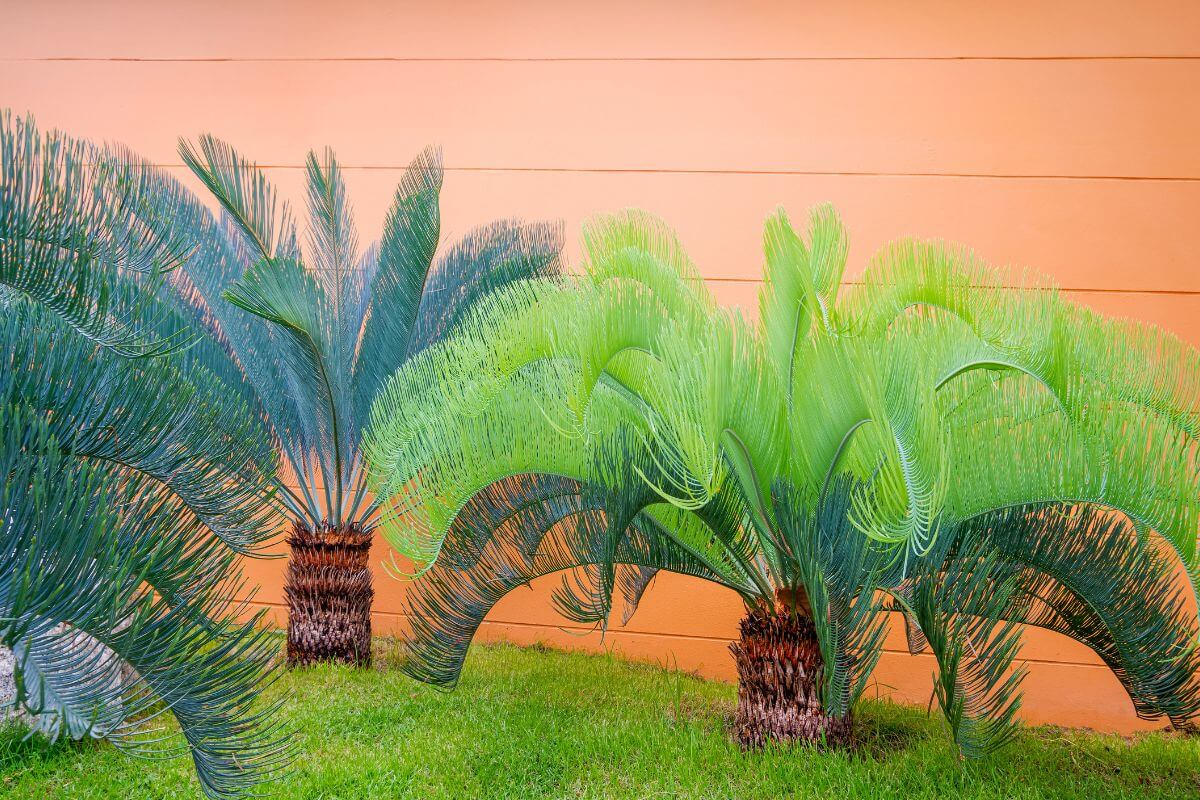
(329,594)
(779,698)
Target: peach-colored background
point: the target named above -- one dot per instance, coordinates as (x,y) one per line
(1058,136)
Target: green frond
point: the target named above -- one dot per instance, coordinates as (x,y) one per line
(483,261)
(97,652)
(131,486)
(1112,456)
(1086,573)
(841,447)
(838,572)
(959,605)
(80,234)
(635,246)
(725,549)
(246,196)
(800,283)
(512,532)
(416,521)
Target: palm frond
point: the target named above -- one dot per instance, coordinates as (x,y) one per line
(245,194)
(1087,574)
(509,534)
(406,254)
(838,573)
(335,262)
(960,605)
(131,487)
(315,331)
(117,604)
(146,417)
(800,283)
(80,233)
(483,261)
(284,293)
(840,447)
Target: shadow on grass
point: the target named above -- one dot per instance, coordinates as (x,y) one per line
(889,729)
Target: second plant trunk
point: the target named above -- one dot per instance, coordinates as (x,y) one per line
(779,669)
(329,595)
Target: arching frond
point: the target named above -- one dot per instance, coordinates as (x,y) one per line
(844,445)
(130,486)
(143,416)
(511,533)
(96,649)
(1086,573)
(959,605)
(81,233)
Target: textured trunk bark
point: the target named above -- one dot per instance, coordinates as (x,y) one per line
(779,698)
(329,595)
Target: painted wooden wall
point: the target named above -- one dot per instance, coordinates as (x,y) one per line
(1057,136)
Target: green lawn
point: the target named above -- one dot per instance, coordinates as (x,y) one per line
(531,723)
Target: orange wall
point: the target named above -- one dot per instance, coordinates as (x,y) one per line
(1060,138)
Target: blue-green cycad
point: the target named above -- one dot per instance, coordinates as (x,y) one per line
(928,441)
(132,484)
(312,330)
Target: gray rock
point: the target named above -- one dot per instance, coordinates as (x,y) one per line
(106,667)
(8,687)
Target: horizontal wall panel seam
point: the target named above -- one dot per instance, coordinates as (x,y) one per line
(719,172)
(965,118)
(732,171)
(656,634)
(569,59)
(1078,290)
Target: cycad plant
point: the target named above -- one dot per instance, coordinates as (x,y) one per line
(132,483)
(927,442)
(311,331)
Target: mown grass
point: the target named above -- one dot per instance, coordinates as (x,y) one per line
(532,723)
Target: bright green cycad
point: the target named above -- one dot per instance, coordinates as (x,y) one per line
(133,477)
(930,436)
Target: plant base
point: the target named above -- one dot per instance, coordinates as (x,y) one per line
(329,595)
(779,665)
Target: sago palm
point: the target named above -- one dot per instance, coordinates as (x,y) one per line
(311,332)
(132,481)
(928,442)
